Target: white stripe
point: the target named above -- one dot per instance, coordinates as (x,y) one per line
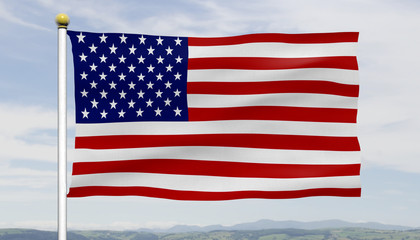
(283,99)
(211,184)
(282,50)
(249,155)
(229,75)
(215,127)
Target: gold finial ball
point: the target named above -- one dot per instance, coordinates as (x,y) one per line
(62,20)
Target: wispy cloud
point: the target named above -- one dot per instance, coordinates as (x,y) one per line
(8,15)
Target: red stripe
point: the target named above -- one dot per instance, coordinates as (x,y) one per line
(265,63)
(268,141)
(274,113)
(216,168)
(209,196)
(276,37)
(237,88)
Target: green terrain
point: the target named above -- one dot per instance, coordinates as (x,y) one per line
(270,234)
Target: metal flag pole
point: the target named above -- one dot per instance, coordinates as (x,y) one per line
(62,21)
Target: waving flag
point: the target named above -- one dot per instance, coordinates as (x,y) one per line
(251,116)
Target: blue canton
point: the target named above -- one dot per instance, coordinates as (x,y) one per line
(129,77)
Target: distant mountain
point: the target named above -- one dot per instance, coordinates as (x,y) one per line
(270,224)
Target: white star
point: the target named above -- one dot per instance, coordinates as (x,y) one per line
(81,38)
(121,113)
(177,93)
(177,76)
(132,49)
(103,114)
(131,68)
(84,75)
(93,67)
(113,104)
(169,68)
(142,40)
(141,77)
(122,59)
(83,57)
(85,113)
(122,77)
(93,48)
(103,58)
(141,94)
(168,84)
(141,59)
(132,85)
(131,104)
(168,102)
(149,103)
(150,85)
(123,38)
(84,93)
(103,94)
(113,49)
(94,103)
(159,77)
(177,111)
(93,84)
(103,76)
(158,93)
(169,51)
(151,68)
(160,59)
(103,39)
(139,112)
(112,68)
(112,85)
(159,41)
(158,112)
(178,41)
(122,94)
(150,50)
(178,59)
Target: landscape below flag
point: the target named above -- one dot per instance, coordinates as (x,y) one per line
(216,118)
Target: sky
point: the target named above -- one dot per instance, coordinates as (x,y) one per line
(388,117)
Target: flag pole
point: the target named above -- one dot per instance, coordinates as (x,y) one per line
(62,21)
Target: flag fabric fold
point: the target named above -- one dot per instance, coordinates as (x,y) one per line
(253,116)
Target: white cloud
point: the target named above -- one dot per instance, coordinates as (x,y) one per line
(27,133)
(19,196)
(23,177)
(19,122)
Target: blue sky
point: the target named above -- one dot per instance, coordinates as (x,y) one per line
(389,107)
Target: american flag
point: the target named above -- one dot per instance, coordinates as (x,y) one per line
(253,116)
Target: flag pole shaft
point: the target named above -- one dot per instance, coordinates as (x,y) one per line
(62,21)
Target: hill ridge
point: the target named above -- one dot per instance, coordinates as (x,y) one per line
(272,224)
